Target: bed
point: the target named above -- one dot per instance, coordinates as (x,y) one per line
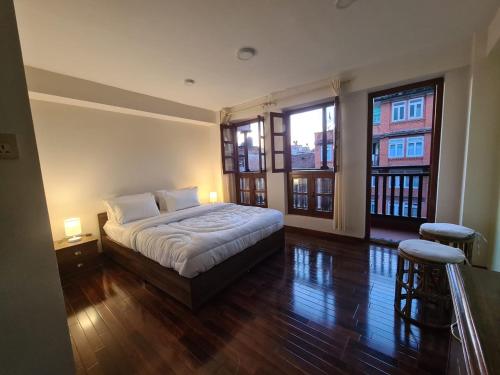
(194,253)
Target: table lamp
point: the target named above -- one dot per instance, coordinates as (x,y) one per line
(73,229)
(213,197)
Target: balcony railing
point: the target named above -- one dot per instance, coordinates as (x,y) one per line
(399,194)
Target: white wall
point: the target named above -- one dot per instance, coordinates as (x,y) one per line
(34,333)
(482,170)
(87,155)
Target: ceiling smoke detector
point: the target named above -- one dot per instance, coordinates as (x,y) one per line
(343,4)
(246,53)
(189,82)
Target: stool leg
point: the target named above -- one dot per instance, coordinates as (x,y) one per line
(399,281)
(409,290)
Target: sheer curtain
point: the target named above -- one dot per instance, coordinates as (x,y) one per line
(338,205)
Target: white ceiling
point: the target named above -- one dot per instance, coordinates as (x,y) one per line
(151,46)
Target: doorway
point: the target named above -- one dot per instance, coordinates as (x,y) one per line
(404,130)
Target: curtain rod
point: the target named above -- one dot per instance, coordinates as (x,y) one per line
(271,101)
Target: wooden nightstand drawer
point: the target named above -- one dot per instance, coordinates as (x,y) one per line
(73,258)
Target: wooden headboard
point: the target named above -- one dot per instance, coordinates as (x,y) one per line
(102,218)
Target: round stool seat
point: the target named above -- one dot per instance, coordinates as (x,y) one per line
(432,251)
(453,231)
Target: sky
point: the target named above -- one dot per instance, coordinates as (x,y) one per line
(304,125)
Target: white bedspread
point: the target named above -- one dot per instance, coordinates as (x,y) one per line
(194,240)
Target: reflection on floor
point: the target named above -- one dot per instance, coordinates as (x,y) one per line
(318,307)
(390,237)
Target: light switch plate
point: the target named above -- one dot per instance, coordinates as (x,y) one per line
(8,146)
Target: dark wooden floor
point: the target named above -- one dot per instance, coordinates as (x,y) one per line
(319,307)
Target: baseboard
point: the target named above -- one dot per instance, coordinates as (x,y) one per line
(324,235)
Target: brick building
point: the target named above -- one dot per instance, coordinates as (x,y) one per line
(401,146)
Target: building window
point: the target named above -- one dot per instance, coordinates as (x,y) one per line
(415,147)
(416,108)
(398,111)
(396,148)
(376,113)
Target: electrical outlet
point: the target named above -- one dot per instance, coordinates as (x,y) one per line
(8,146)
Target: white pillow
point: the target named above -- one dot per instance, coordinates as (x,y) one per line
(175,200)
(160,196)
(113,205)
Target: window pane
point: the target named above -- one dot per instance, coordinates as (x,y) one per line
(324,185)
(324,203)
(300,201)
(260,183)
(260,199)
(248,139)
(300,185)
(278,125)
(278,143)
(279,161)
(227,135)
(228,149)
(306,132)
(245,197)
(229,165)
(244,183)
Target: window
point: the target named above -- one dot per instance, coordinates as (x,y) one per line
(376,113)
(243,154)
(251,189)
(416,108)
(312,133)
(311,193)
(373,181)
(415,147)
(398,111)
(372,206)
(396,148)
(304,146)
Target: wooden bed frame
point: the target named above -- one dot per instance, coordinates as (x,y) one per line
(195,291)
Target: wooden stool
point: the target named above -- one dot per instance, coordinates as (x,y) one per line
(422,290)
(450,234)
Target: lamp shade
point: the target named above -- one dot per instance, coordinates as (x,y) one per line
(213,197)
(72,227)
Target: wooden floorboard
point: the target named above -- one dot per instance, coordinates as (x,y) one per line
(318,307)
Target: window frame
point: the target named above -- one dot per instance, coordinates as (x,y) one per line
(409,140)
(400,103)
(311,176)
(411,102)
(325,104)
(252,176)
(401,141)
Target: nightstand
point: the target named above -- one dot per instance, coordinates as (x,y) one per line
(74,258)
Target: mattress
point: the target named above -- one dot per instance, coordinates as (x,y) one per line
(196,239)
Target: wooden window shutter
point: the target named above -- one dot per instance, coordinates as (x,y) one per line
(279,143)
(262,147)
(228,149)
